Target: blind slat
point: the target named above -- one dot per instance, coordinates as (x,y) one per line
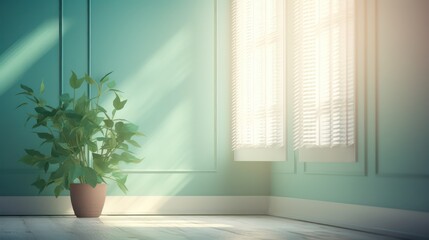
(258,73)
(323,73)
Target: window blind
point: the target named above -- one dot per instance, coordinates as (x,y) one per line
(323,73)
(258,73)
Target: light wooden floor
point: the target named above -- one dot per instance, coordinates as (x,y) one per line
(173,227)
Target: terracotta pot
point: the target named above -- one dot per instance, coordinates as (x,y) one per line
(87,201)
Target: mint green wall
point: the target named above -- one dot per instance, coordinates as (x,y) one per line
(392,169)
(29,46)
(171,59)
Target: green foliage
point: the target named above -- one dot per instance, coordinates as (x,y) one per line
(75,129)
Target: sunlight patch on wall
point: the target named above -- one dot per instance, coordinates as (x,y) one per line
(23,54)
(158,76)
(171,185)
(172,139)
(158,102)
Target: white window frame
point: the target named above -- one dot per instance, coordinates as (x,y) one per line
(311,149)
(258,118)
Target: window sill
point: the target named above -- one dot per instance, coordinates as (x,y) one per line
(260,154)
(328,154)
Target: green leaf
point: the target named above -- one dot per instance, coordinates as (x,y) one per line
(122,104)
(115,90)
(54,152)
(42,110)
(59,173)
(54,110)
(27,88)
(58,189)
(97,156)
(34,153)
(120,181)
(88,79)
(130,127)
(65,97)
(109,143)
(119,175)
(20,105)
(82,104)
(41,102)
(56,160)
(134,143)
(46,136)
(42,87)
(125,130)
(24,93)
(90,176)
(124,147)
(122,186)
(39,184)
(41,164)
(29,160)
(105,78)
(100,108)
(100,166)
(46,167)
(116,101)
(129,158)
(118,104)
(75,171)
(115,159)
(109,123)
(75,83)
(38,124)
(62,146)
(28,119)
(58,151)
(73,115)
(124,157)
(92,146)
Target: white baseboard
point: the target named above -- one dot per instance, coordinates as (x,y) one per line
(395,222)
(135,205)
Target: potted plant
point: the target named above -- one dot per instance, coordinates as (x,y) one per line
(82,144)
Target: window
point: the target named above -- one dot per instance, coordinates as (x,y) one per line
(324,79)
(322,43)
(258,79)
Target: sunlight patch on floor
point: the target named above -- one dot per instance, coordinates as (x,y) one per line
(162,223)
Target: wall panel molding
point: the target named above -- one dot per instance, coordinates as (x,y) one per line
(376,96)
(215,107)
(26,169)
(60,33)
(62,58)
